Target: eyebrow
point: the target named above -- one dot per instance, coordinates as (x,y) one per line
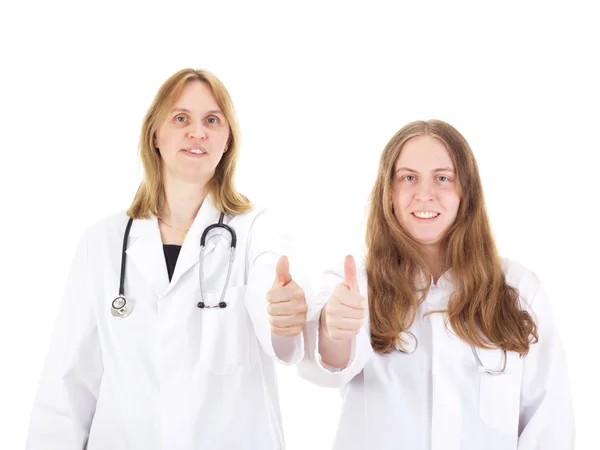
(442,169)
(212,111)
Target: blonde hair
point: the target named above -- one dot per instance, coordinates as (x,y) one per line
(483,310)
(150,195)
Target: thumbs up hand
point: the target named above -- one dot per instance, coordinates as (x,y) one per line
(343,315)
(287,304)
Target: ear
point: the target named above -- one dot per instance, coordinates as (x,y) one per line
(156,149)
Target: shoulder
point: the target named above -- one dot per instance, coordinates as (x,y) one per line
(264,229)
(107,227)
(260,218)
(523,280)
(117,220)
(101,233)
(250,216)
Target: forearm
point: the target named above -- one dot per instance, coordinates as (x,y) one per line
(334,353)
(288,350)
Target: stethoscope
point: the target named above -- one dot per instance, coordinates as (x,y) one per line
(482,367)
(122,306)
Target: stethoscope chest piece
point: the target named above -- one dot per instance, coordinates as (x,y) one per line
(121,307)
(484,369)
(407,347)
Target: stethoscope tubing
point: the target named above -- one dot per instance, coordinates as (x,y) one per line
(475,354)
(222,304)
(121,306)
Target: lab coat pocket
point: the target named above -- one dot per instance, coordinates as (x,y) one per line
(499,395)
(228,344)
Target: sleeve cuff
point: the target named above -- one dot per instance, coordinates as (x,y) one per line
(313,369)
(288,350)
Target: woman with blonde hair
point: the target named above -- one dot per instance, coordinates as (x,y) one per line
(437,342)
(175,311)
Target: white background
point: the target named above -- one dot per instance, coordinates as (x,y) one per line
(319,89)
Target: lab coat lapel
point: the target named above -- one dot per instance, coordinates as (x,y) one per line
(146,253)
(190,250)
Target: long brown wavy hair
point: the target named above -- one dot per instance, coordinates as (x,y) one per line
(483,310)
(150,195)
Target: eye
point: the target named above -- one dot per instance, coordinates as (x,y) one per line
(410,177)
(212,120)
(180,119)
(443,178)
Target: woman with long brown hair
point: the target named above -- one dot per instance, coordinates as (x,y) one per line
(436,341)
(176,310)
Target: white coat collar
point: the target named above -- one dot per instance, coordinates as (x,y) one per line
(438,293)
(146,248)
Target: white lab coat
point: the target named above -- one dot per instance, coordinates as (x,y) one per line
(171,375)
(437,398)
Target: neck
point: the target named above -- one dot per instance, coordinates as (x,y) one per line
(435,261)
(182,202)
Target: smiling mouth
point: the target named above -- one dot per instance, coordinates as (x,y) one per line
(195,151)
(425,214)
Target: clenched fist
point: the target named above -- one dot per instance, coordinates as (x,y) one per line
(287,303)
(343,315)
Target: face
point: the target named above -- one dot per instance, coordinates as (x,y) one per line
(425,191)
(193,136)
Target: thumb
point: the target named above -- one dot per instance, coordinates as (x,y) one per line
(350,274)
(282,271)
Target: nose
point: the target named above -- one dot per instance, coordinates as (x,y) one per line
(424,192)
(197,131)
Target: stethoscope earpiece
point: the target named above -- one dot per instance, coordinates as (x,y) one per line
(201,305)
